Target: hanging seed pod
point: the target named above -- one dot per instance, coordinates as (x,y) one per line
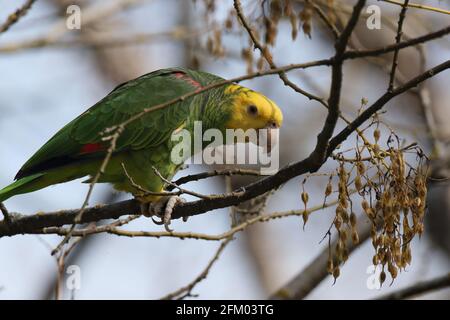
(343,235)
(376,135)
(343,200)
(229,20)
(305,216)
(228,24)
(271,31)
(358,183)
(393,271)
(306,18)
(287,10)
(305,198)
(345,216)
(344,255)
(355,237)
(293,21)
(361,168)
(338,222)
(330,266)
(260,64)
(336,273)
(352,219)
(247,55)
(382,277)
(275,10)
(365,205)
(375,260)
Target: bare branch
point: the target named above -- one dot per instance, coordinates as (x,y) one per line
(14,17)
(419,6)
(419,288)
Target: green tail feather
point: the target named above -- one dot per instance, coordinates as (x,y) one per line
(20,186)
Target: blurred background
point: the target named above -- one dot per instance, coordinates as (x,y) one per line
(49,74)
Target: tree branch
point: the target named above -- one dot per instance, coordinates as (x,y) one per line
(14,17)
(419,288)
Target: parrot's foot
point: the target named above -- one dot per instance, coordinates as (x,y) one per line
(162,209)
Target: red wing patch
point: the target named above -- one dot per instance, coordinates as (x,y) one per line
(192,82)
(91,148)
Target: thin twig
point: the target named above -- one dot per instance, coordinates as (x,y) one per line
(204,175)
(398,38)
(419,6)
(112,228)
(192,193)
(14,17)
(331,26)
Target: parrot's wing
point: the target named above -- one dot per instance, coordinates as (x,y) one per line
(82,139)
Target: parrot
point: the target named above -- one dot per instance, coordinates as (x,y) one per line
(144,147)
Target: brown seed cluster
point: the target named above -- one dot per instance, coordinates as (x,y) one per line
(393,197)
(264,18)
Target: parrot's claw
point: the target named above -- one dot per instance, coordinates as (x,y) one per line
(162,209)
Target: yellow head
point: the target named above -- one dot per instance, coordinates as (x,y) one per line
(252,110)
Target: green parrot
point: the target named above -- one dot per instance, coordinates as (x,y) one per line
(78,149)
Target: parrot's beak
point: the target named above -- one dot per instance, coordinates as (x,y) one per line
(269,136)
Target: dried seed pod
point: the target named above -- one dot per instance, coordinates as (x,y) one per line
(229,23)
(361,168)
(338,222)
(382,277)
(336,273)
(345,217)
(343,235)
(376,135)
(305,198)
(306,18)
(375,260)
(287,10)
(392,270)
(293,21)
(305,216)
(343,201)
(260,64)
(271,31)
(330,265)
(365,205)
(353,219)
(358,183)
(344,255)
(355,237)
(275,10)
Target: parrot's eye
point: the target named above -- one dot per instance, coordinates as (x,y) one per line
(252,110)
